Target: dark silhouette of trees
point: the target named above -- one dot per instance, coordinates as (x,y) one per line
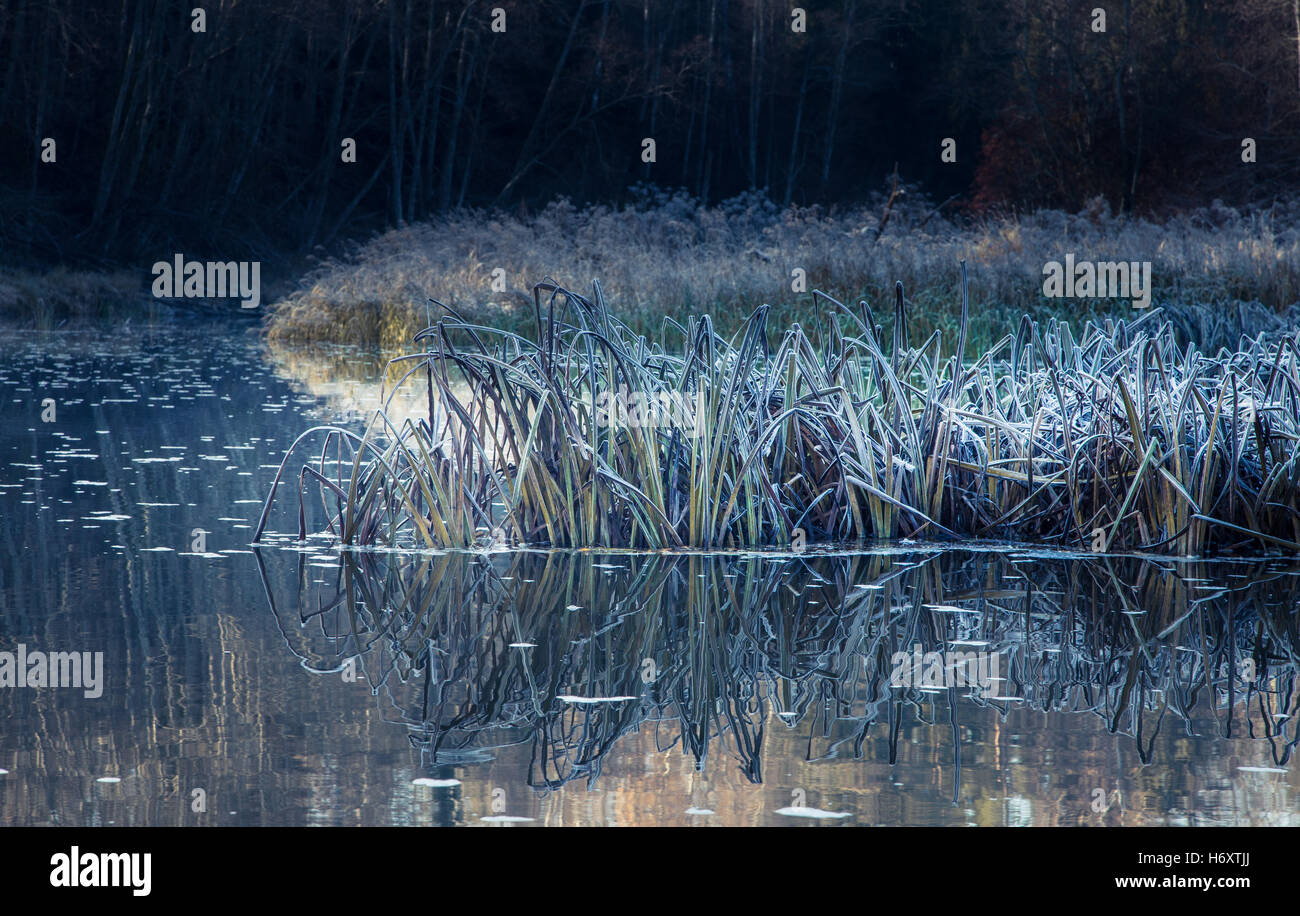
(230,139)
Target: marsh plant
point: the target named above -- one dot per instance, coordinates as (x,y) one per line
(1116,439)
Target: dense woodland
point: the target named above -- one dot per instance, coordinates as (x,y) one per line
(228,140)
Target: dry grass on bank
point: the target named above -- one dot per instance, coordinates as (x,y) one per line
(44,300)
(1216,270)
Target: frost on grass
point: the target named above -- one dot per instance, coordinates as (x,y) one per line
(1116,438)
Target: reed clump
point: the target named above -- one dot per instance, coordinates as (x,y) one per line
(1119,439)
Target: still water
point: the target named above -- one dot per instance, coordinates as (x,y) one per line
(294,684)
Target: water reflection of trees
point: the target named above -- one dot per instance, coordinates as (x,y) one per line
(477,652)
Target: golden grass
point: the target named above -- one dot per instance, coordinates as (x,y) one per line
(667,256)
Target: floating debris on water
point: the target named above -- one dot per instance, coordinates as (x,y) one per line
(568,698)
(815,813)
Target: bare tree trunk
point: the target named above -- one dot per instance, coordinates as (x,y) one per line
(837,92)
(20,22)
(395,136)
(112,149)
(791,167)
(525,151)
(332,135)
(474,130)
(701,181)
(755,89)
(464,71)
(1295,17)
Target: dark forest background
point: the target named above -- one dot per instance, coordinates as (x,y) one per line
(228,142)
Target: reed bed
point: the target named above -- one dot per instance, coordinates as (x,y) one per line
(1118,439)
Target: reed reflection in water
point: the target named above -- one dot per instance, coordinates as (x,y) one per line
(568,653)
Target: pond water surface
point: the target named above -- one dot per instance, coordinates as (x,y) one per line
(296,684)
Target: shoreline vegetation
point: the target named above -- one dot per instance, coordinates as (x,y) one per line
(86,299)
(1217,272)
(46,300)
(1118,437)
(835,390)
